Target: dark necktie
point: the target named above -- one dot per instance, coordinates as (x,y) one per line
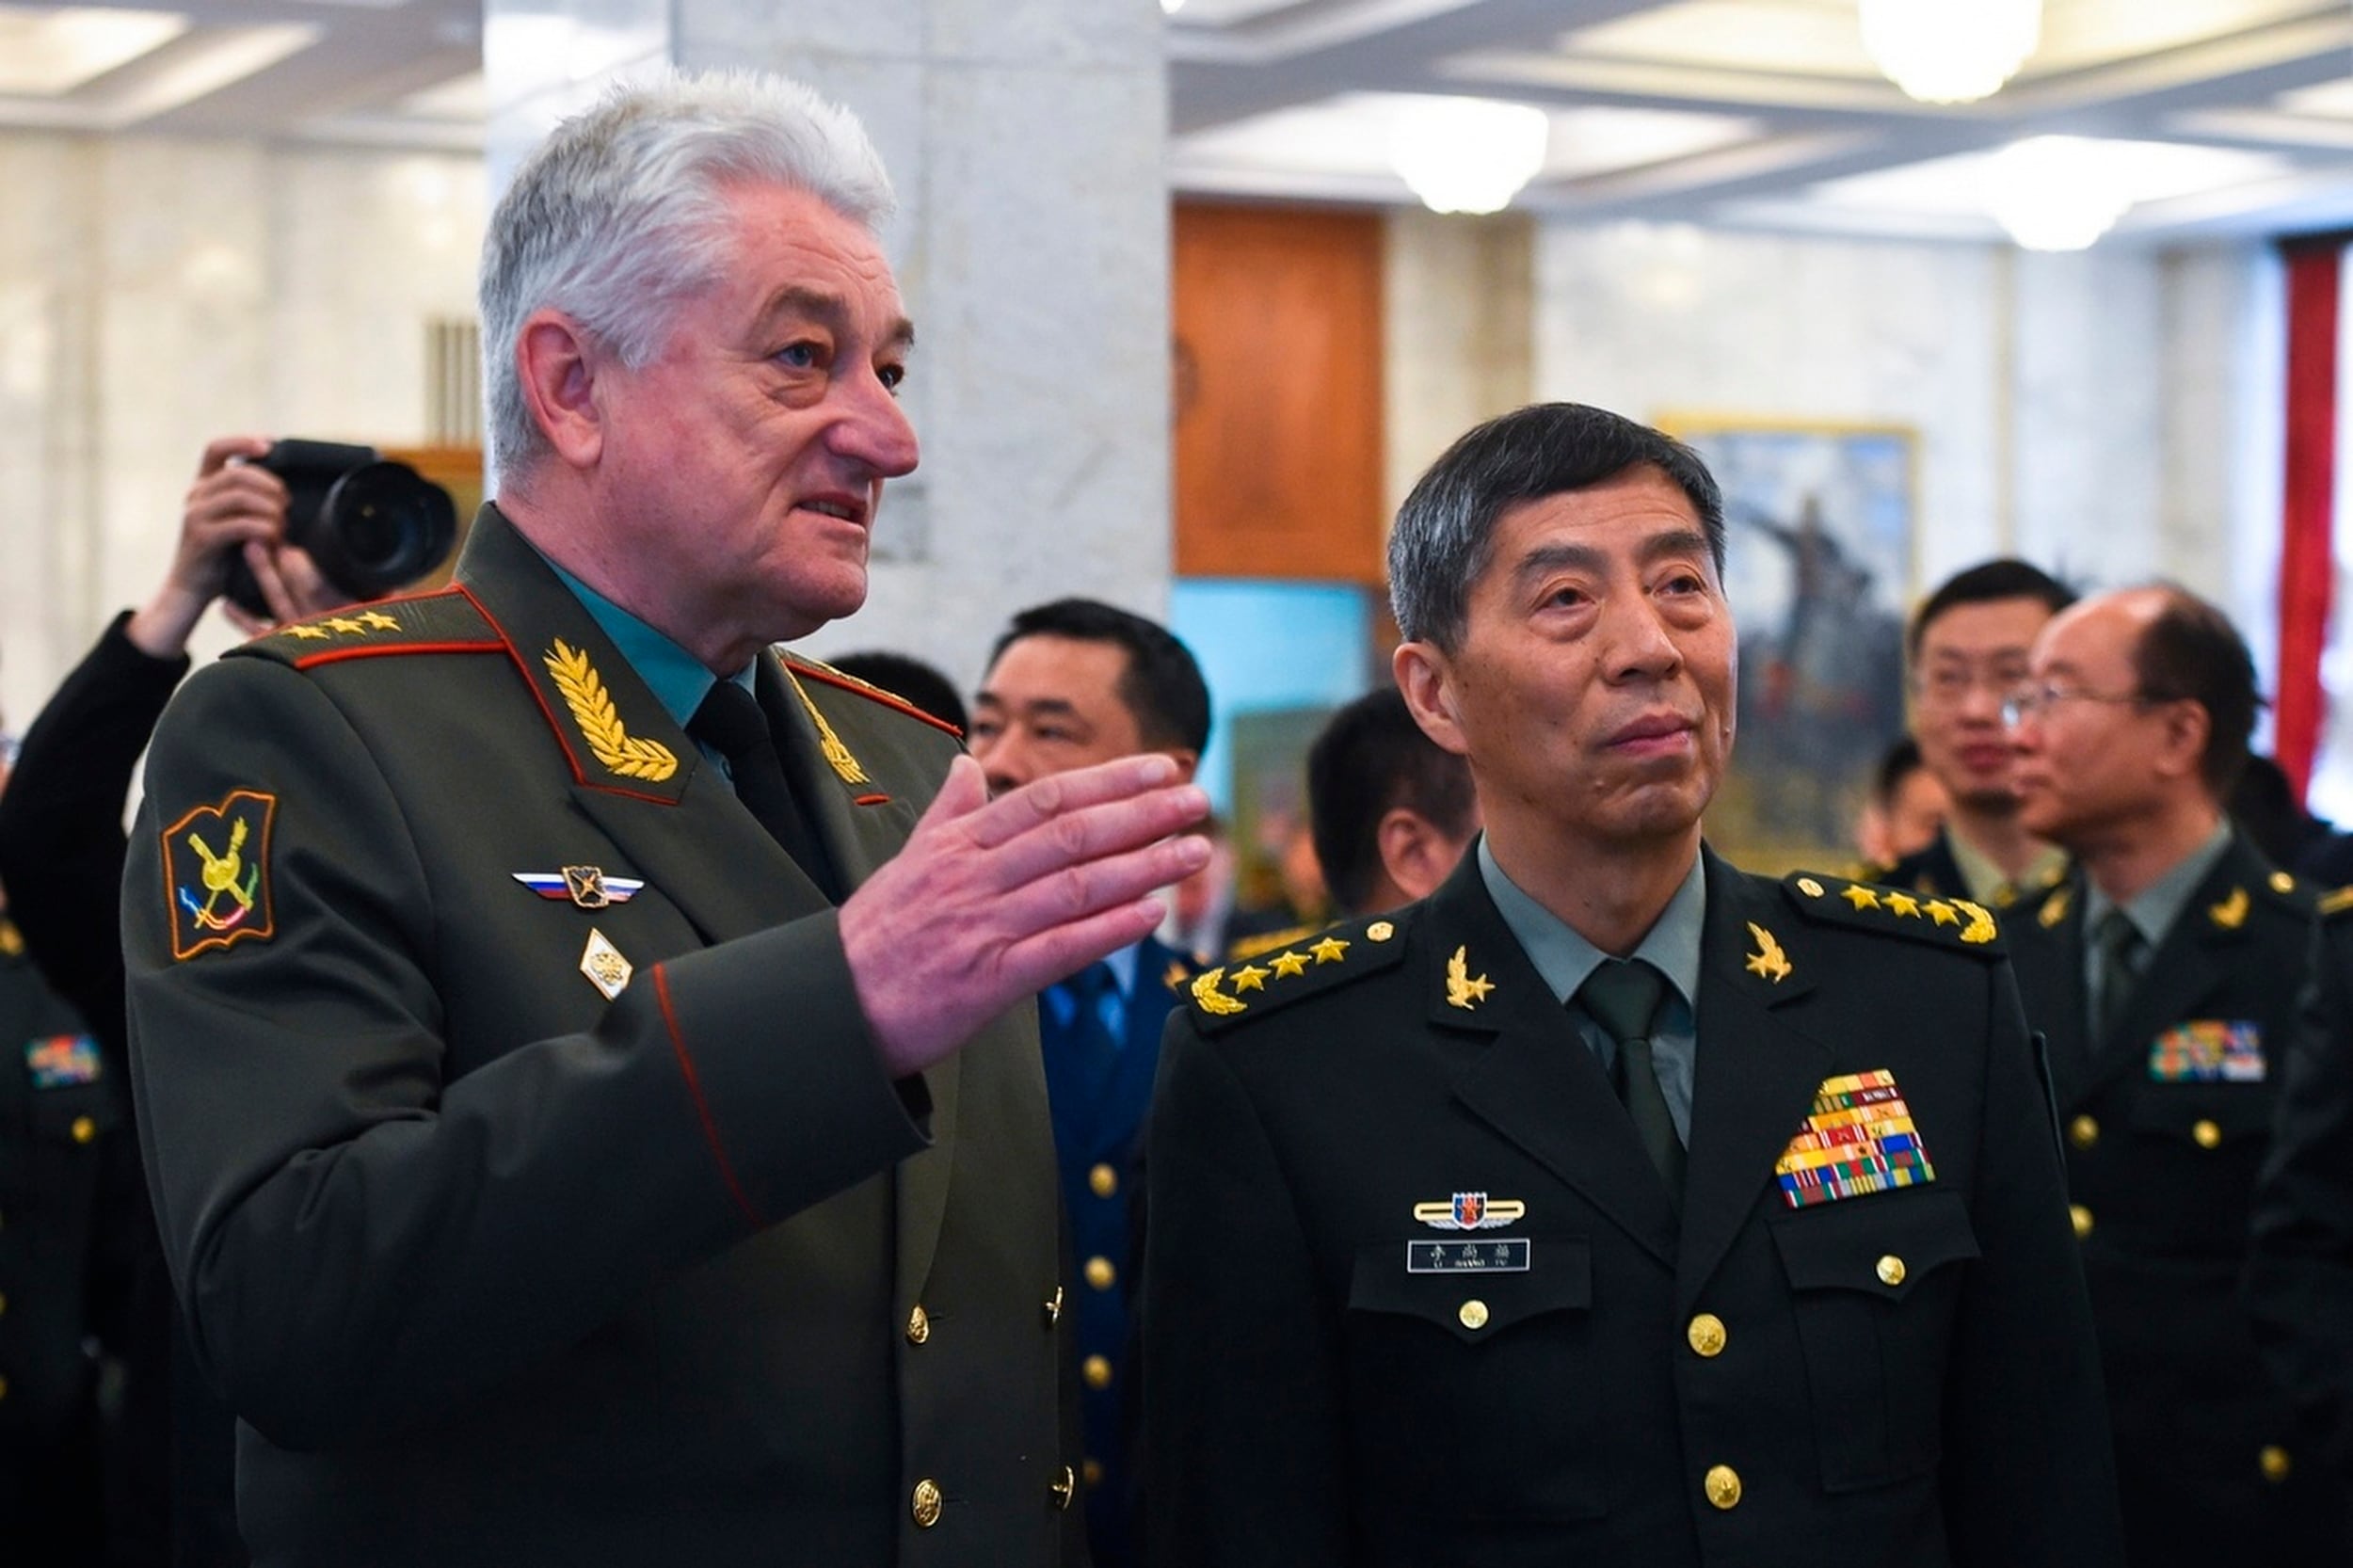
(1624,999)
(2121,948)
(732,723)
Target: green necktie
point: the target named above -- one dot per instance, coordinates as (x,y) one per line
(2121,947)
(1624,999)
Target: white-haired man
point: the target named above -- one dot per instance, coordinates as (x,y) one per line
(590,1114)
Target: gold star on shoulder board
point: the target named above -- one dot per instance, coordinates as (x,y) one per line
(1250,978)
(346,625)
(1861,897)
(1904,904)
(1941,913)
(1769,960)
(308,634)
(1329,949)
(1290,961)
(379,620)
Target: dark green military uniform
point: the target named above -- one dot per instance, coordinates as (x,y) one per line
(2166,1121)
(1416,1295)
(497,1271)
(2300,1283)
(58,1112)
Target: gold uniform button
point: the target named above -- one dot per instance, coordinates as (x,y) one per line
(1473,1314)
(1706,1335)
(1064,1487)
(925,1504)
(2275,1461)
(2083,1131)
(1891,1270)
(2081,1217)
(1380,931)
(1102,1181)
(2206,1134)
(83,1129)
(919,1326)
(1100,1273)
(1053,1307)
(1098,1371)
(1091,1471)
(1724,1486)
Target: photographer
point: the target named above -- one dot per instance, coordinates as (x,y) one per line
(61,855)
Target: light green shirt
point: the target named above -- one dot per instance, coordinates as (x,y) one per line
(2158,906)
(1565,960)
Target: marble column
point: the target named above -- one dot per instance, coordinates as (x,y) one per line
(1025,140)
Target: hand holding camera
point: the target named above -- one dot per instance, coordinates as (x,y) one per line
(293,528)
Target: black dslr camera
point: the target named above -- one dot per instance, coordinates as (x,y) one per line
(371,525)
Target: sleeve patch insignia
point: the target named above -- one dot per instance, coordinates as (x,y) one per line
(2208,1051)
(217,873)
(1857,1139)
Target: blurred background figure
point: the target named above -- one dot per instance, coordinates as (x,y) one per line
(1392,812)
(906,677)
(1200,906)
(1070,684)
(1904,811)
(170,1449)
(2164,973)
(1968,648)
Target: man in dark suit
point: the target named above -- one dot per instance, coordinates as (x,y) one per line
(584,1058)
(2164,973)
(1612,1204)
(1967,649)
(1070,684)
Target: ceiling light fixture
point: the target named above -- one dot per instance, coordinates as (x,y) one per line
(2056,193)
(1950,51)
(1467,155)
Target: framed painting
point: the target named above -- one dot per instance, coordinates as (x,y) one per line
(1822,525)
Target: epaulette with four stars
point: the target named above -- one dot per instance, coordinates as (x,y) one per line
(817,670)
(444,622)
(1954,922)
(1233,994)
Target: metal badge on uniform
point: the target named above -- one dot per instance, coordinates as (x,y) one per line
(588,886)
(1470,1211)
(2208,1051)
(1858,1138)
(603,963)
(62,1061)
(1505,1257)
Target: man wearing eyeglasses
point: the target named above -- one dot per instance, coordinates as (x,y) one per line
(2163,973)
(1968,648)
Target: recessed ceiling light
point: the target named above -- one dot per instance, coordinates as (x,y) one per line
(48,51)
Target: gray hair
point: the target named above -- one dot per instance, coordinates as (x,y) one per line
(1445,532)
(620,214)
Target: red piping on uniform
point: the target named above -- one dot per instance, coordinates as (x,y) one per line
(336,655)
(702,1107)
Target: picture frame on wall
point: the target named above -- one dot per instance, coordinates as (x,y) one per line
(1821,525)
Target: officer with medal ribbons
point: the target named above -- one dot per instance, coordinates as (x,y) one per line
(585,1055)
(2165,974)
(1611,1205)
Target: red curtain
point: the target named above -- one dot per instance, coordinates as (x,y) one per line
(2307,571)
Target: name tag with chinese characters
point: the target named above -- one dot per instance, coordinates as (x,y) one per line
(1467,1257)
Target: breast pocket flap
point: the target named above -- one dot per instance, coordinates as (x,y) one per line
(1474,1291)
(1884,1243)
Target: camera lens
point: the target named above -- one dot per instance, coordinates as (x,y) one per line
(383,526)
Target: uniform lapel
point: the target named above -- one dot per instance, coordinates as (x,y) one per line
(1757,1070)
(636,774)
(2049,958)
(858,837)
(1537,1085)
(2188,964)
